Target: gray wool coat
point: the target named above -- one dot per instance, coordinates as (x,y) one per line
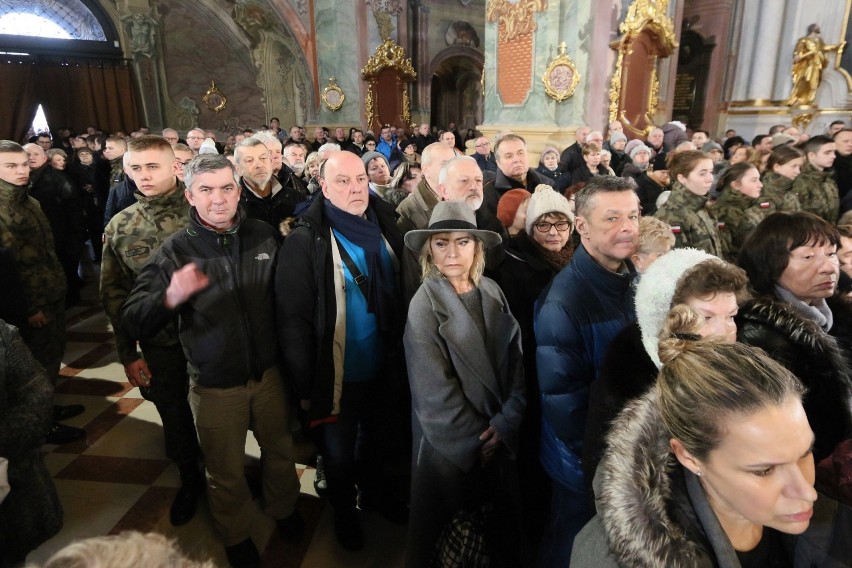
(460,383)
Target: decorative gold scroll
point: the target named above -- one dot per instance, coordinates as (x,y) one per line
(643,16)
(389,55)
(516,16)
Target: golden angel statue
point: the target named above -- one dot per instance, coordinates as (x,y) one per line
(808,62)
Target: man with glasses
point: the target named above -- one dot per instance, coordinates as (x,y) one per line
(194,138)
(171,136)
(484,156)
(182,157)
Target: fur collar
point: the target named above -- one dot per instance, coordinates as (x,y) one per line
(798,330)
(635,493)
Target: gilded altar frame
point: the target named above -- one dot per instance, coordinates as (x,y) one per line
(646,22)
(388,55)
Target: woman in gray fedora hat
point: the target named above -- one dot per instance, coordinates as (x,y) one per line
(463,350)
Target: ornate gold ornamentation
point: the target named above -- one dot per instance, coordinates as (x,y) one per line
(615,87)
(561,76)
(809,60)
(643,15)
(369,110)
(406,105)
(651,14)
(391,55)
(516,16)
(802,120)
(333,96)
(654,96)
(214,98)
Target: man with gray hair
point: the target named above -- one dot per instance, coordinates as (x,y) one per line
(263,196)
(171,136)
(415,210)
(194,139)
(216,278)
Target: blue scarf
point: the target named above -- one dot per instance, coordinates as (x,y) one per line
(365,233)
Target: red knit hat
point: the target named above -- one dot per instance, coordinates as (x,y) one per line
(508,205)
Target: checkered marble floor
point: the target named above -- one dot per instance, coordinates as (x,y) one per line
(118,477)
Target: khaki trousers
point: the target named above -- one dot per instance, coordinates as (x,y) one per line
(223,417)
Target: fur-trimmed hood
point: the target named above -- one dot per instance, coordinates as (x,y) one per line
(636,492)
(655,290)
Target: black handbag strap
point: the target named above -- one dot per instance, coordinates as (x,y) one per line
(359,278)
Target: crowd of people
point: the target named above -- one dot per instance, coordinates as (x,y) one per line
(638,346)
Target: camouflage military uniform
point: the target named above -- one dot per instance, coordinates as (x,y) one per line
(737,215)
(778,190)
(691,223)
(130,239)
(25,231)
(818,193)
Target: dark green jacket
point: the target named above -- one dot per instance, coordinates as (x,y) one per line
(691,223)
(25,231)
(817,193)
(778,190)
(737,215)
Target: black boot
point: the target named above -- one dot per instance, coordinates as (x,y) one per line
(243,555)
(186,500)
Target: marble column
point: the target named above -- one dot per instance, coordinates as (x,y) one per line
(339,55)
(141,29)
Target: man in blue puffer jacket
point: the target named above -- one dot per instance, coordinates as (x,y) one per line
(586,305)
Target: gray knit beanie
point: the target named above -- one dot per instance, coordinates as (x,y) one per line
(370,156)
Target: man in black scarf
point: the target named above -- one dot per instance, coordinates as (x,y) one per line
(339,327)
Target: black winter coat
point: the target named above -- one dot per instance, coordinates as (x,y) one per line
(307,303)
(227,329)
(626,373)
(820,360)
(61,203)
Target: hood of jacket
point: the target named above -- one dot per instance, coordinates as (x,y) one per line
(655,290)
(636,493)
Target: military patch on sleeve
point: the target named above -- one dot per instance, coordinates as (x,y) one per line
(720,225)
(675,229)
(764,205)
(137,251)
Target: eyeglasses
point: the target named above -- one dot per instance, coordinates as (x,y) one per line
(484,144)
(544,226)
(194,138)
(182,164)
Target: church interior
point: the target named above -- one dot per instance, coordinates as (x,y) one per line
(538,68)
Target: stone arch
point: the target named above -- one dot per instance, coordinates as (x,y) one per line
(455,88)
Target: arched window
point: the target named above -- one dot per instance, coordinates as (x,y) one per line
(68,19)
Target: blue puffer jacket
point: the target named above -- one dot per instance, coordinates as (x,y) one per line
(584,308)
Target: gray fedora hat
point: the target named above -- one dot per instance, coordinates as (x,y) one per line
(450,217)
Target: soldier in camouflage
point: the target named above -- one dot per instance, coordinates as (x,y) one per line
(686,210)
(739,208)
(815,186)
(130,239)
(25,232)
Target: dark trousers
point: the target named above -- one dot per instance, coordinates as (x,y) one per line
(48,343)
(439,489)
(352,446)
(168,391)
(570,510)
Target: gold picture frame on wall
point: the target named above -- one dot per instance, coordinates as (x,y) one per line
(333,96)
(561,76)
(214,98)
